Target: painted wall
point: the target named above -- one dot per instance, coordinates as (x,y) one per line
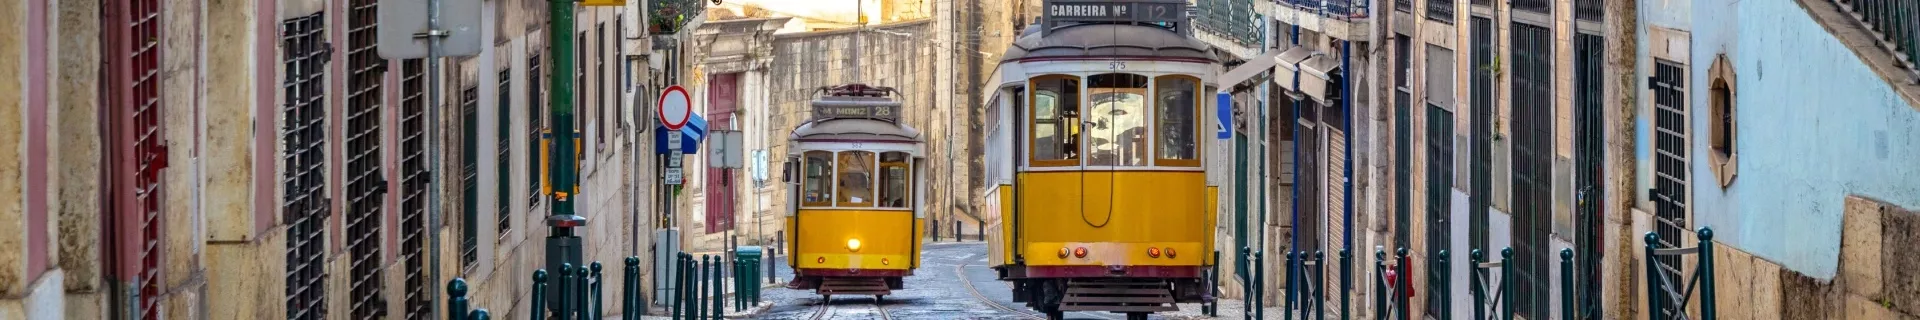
(1827,129)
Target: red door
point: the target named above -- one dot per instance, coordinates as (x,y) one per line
(135,151)
(723,97)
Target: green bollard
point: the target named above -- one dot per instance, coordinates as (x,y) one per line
(480,314)
(630,289)
(699,291)
(1320,276)
(1653,278)
(1403,284)
(599,303)
(1380,283)
(679,292)
(1477,284)
(563,308)
(1246,291)
(457,302)
(1259,286)
(1292,285)
(1707,309)
(1566,284)
(719,297)
(1444,292)
(1506,283)
(1346,282)
(539,295)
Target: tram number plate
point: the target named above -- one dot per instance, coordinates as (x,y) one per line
(1117,65)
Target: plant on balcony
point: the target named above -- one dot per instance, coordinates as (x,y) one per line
(666,19)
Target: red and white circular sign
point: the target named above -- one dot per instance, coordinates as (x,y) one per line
(675,107)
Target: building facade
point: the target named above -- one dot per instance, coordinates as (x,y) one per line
(261,159)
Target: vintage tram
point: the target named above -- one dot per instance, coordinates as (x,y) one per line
(854,175)
(1098,197)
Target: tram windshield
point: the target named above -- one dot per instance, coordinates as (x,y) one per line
(1117,128)
(856,179)
(1175,120)
(895,185)
(819,170)
(1056,121)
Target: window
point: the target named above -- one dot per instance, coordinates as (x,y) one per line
(1533,138)
(855,186)
(503,155)
(1440,11)
(304,136)
(623,79)
(536,121)
(1117,126)
(1439,192)
(1724,133)
(366,172)
(470,176)
(1480,180)
(896,186)
(1670,178)
(1056,121)
(600,85)
(1589,159)
(1403,140)
(413,186)
(1175,121)
(819,173)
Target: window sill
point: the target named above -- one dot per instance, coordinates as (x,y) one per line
(1725,167)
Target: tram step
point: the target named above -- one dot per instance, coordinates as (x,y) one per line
(1109,308)
(1118,296)
(854,286)
(1087,299)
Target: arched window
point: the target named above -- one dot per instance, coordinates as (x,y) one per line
(1176,123)
(855,186)
(1055,121)
(896,183)
(816,190)
(1116,133)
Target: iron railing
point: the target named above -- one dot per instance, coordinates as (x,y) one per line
(579,292)
(1440,10)
(1667,298)
(1392,302)
(1894,23)
(1536,6)
(1403,5)
(1589,10)
(1349,9)
(1232,19)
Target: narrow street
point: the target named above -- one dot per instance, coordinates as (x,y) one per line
(952,283)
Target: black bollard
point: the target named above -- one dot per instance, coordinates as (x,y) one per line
(630,287)
(457,301)
(598,282)
(699,290)
(719,295)
(679,286)
(563,309)
(539,295)
(480,314)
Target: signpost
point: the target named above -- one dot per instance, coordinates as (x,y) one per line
(1223,117)
(674,110)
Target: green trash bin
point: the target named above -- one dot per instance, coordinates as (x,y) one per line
(747,282)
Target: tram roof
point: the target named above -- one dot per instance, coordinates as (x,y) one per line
(856,129)
(1107,40)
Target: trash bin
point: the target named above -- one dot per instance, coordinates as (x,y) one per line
(747,282)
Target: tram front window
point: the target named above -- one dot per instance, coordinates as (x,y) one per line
(819,172)
(895,187)
(856,179)
(1174,118)
(1056,121)
(1117,128)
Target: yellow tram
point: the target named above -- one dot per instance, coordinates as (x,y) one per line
(854,172)
(1098,198)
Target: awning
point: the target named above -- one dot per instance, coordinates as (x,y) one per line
(1319,67)
(1247,70)
(1289,67)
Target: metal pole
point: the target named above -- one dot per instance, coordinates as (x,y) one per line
(434,149)
(563,246)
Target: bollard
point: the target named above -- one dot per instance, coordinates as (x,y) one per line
(1213,305)
(718,296)
(678,301)
(1707,309)
(539,295)
(1259,286)
(563,309)
(1566,284)
(1444,292)
(630,289)
(582,288)
(1380,283)
(1346,282)
(982,229)
(1477,284)
(956,231)
(699,291)
(935,230)
(1292,258)
(457,300)
(1506,283)
(1320,276)
(1403,285)
(738,291)
(1246,291)
(599,303)
(480,314)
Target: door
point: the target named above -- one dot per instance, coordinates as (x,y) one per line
(1670,186)
(131,34)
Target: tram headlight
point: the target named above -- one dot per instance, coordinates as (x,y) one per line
(853,245)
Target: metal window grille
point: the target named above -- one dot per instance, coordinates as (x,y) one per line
(1439,192)
(503,155)
(1670,162)
(1402,64)
(304,138)
(1589,10)
(1532,166)
(469,176)
(600,84)
(1233,19)
(1403,142)
(366,180)
(1535,6)
(1480,181)
(1590,158)
(1240,209)
(625,77)
(1894,23)
(1336,149)
(536,110)
(1403,5)
(1440,10)
(133,102)
(413,186)
(1312,210)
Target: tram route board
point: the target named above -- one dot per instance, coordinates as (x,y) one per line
(1144,11)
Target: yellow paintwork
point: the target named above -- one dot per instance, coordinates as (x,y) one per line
(1116,215)
(883,234)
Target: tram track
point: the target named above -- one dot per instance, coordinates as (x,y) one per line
(959,271)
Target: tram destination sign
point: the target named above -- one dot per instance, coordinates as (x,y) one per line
(1145,11)
(869,111)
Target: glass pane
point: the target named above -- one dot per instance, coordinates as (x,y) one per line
(1116,132)
(1175,117)
(1056,118)
(895,190)
(855,185)
(819,171)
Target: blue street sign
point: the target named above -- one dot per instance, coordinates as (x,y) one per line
(690,136)
(1224,115)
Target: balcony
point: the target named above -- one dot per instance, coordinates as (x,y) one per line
(1230,19)
(1535,6)
(1589,10)
(1348,9)
(1440,10)
(1486,3)
(1895,24)
(669,16)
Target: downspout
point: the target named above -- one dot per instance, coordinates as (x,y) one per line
(1346,114)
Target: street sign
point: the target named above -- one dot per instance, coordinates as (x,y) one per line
(404,32)
(674,177)
(675,107)
(1223,117)
(725,150)
(603,3)
(673,144)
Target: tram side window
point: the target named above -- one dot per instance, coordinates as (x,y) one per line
(856,179)
(1117,131)
(819,171)
(896,188)
(1056,121)
(1175,115)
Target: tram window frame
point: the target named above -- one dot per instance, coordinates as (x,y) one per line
(812,179)
(841,196)
(1159,120)
(905,178)
(1136,153)
(1071,82)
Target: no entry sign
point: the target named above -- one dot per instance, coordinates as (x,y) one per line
(675,107)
